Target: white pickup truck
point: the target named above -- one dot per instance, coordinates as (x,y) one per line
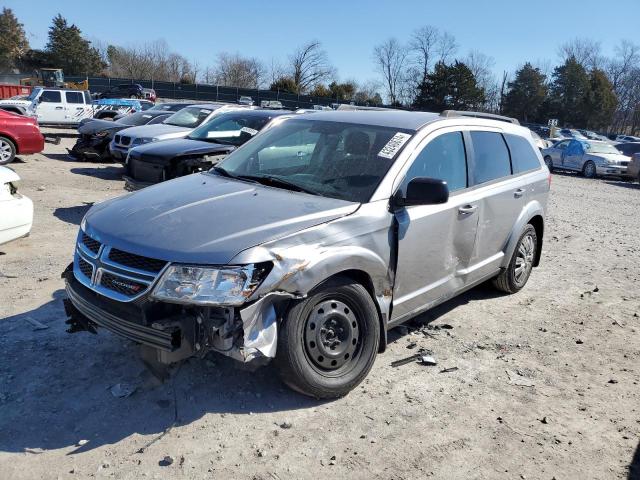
(54,106)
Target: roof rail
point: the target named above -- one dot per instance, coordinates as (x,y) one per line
(489,116)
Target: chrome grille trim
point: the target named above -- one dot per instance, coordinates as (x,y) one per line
(101,264)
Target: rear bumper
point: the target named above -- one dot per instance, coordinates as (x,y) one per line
(17,219)
(28,144)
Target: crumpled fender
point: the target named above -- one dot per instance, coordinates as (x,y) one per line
(532,209)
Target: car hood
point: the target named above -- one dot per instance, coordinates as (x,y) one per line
(159,130)
(21,103)
(95,126)
(206,219)
(165,151)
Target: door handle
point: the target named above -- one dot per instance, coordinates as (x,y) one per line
(467,209)
(58,108)
(519,193)
(79,108)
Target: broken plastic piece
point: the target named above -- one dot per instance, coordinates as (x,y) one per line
(428,360)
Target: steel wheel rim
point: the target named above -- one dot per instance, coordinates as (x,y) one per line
(5,150)
(524,259)
(589,169)
(332,336)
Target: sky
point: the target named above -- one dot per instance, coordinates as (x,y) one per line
(510,31)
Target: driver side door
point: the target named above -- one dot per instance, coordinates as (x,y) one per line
(435,242)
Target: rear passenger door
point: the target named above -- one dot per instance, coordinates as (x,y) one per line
(51,107)
(75,107)
(502,198)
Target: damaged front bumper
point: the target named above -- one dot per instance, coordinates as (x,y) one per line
(89,147)
(176,332)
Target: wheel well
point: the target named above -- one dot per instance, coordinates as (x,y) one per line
(364,279)
(538,224)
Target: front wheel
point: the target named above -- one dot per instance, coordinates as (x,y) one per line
(515,276)
(7,151)
(589,170)
(328,342)
(549,163)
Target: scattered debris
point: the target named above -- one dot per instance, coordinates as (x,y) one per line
(166,461)
(428,360)
(122,390)
(579,342)
(449,370)
(544,420)
(412,345)
(519,380)
(413,358)
(41,188)
(442,326)
(613,380)
(36,324)
(82,443)
(286,425)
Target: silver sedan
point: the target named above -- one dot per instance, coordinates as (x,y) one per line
(591,158)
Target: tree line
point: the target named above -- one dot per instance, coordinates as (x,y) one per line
(586,89)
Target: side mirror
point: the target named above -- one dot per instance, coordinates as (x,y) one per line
(424,191)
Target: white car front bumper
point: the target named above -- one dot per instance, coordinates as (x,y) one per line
(16,218)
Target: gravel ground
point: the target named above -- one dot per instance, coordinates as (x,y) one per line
(546,384)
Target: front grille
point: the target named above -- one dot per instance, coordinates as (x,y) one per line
(91,244)
(136,261)
(125,140)
(85,267)
(116,139)
(121,285)
(624,164)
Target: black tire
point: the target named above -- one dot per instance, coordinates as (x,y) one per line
(313,369)
(7,151)
(549,163)
(589,170)
(509,281)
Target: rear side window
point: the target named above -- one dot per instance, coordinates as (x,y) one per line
(491,157)
(50,96)
(444,158)
(523,156)
(74,97)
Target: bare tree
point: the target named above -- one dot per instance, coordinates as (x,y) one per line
(235,70)
(586,51)
(390,58)
(481,66)
(149,61)
(447,47)
(309,65)
(422,44)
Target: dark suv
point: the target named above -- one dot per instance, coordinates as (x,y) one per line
(125,90)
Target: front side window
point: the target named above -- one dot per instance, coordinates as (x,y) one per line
(189,117)
(523,155)
(575,148)
(74,97)
(444,158)
(333,159)
(491,157)
(50,96)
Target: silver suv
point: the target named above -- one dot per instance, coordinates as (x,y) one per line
(308,243)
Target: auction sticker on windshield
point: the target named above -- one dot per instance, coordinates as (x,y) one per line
(394,145)
(248,130)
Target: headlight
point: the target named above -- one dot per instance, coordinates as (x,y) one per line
(209,285)
(142,141)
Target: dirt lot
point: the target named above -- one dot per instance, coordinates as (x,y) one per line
(547,383)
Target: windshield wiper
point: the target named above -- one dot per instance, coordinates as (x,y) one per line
(223,172)
(276,181)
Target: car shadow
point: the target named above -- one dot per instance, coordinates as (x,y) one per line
(72,215)
(624,184)
(59,156)
(484,291)
(104,173)
(56,389)
(634,467)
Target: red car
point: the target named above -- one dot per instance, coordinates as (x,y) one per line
(19,135)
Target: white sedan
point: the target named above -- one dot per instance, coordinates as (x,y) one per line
(16,210)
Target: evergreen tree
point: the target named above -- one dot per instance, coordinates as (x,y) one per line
(569,92)
(449,87)
(601,102)
(68,50)
(284,84)
(13,41)
(526,94)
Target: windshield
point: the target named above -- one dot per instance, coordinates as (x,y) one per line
(189,117)
(230,128)
(601,148)
(135,119)
(332,159)
(34,93)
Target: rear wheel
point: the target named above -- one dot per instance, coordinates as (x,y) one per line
(7,151)
(515,276)
(549,163)
(589,170)
(329,341)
